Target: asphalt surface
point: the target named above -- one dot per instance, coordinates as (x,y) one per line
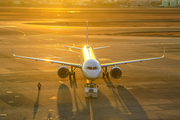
(146,91)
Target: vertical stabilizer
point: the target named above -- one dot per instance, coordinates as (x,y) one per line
(86,32)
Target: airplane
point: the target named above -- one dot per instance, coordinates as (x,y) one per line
(90,66)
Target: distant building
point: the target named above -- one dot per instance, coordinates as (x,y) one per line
(137,3)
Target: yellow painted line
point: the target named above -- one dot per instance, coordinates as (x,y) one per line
(3,115)
(24,34)
(125,113)
(51,110)
(91,110)
(53,98)
(9,91)
(8,26)
(10,102)
(129,88)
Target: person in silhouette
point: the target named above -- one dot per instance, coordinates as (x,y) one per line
(39,86)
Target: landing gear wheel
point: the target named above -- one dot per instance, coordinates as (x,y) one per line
(105,74)
(71,73)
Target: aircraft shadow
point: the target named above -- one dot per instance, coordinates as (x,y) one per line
(129,107)
(109,83)
(82,111)
(73,82)
(65,105)
(36,105)
(136,110)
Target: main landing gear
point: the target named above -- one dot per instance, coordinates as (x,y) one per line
(72,72)
(105,73)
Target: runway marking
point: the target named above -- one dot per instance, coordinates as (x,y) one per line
(24,34)
(8,26)
(10,102)
(128,88)
(3,115)
(53,98)
(60,82)
(125,113)
(73,50)
(51,110)
(9,91)
(91,110)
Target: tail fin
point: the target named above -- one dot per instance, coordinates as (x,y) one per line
(86,32)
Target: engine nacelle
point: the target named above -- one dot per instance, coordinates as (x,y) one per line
(116,72)
(63,72)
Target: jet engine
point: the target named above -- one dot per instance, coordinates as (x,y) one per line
(63,72)
(116,72)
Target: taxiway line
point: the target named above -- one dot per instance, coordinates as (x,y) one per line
(91,110)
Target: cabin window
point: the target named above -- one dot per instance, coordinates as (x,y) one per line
(91,68)
(94,68)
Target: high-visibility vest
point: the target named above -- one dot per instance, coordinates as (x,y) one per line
(39,85)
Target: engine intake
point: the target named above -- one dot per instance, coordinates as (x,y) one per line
(116,72)
(63,72)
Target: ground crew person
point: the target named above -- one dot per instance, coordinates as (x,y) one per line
(39,86)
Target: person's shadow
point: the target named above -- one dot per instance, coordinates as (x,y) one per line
(36,105)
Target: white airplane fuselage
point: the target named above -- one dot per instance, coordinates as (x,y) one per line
(91,67)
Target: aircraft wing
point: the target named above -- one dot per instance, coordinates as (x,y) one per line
(131,61)
(52,61)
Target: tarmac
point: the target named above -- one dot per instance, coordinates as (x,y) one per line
(147,90)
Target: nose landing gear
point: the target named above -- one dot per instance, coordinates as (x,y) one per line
(105,73)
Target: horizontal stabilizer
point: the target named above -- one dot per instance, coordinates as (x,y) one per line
(73,47)
(101,47)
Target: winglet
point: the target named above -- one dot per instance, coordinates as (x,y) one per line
(164,53)
(12,50)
